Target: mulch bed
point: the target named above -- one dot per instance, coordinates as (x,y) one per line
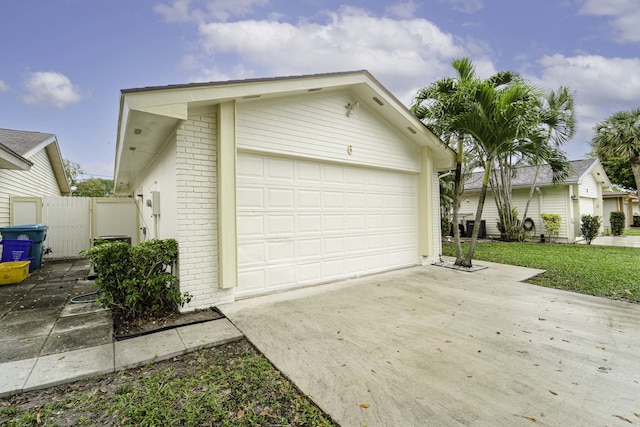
(124,327)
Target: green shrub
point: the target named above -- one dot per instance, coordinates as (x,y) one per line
(552,224)
(617,219)
(445,226)
(590,227)
(138,279)
(636,220)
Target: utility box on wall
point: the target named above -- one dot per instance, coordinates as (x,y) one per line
(155,202)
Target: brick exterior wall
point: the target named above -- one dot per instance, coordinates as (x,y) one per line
(197,212)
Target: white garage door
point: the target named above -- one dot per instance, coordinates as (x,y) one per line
(302,222)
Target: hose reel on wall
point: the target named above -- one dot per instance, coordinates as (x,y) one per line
(528,225)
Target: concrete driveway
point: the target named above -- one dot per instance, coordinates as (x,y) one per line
(434,346)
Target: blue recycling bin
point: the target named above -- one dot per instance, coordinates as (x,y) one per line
(34,232)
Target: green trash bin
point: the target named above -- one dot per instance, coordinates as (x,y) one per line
(37,233)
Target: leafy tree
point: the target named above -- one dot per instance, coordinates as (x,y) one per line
(619,136)
(552,224)
(619,171)
(94,187)
(73,171)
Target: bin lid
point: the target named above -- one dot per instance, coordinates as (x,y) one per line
(25,227)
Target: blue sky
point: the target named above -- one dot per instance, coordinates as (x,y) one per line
(64,62)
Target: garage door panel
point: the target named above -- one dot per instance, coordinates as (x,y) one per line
(333,174)
(333,200)
(281,275)
(250,225)
(310,172)
(303,222)
(309,199)
(281,250)
(280,198)
(252,253)
(309,224)
(280,225)
(333,268)
(333,223)
(309,248)
(251,198)
(252,280)
(279,169)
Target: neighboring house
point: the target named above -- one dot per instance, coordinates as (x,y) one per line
(621,201)
(270,184)
(30,166)
(581,194)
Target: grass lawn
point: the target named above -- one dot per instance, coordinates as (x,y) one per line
(229,385)
(634,231)
(595,270)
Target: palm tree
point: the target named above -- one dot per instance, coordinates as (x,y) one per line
(557,116)
(619,136)
(442,106)
(437,105)
(499,120)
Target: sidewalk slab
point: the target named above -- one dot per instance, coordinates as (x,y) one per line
(71,366)
(145,349)
(14,375)
(208,334)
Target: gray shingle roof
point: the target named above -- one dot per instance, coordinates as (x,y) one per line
(22,142)
(524,175)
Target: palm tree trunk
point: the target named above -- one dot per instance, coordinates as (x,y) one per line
(457,187)
(466,262)
(531,190)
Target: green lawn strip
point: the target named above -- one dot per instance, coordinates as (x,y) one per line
(206,388)
(634,231)
(594,270)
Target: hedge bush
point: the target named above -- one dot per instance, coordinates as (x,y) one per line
(617,219)
(138,280)
(590,227)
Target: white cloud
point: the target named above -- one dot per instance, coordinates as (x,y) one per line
(3,86)
(624,14)
(404,10)
(602,85)
(202,10)
(50,89)
(465,6)
(395,51)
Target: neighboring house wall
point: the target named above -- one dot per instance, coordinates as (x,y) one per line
(551,200)
(38,181)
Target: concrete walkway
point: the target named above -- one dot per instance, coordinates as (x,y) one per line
(628,241)
(61,368)
(45,340)
(435,346)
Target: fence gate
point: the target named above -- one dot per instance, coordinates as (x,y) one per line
(73,222)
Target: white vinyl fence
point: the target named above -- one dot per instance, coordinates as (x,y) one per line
(73,222)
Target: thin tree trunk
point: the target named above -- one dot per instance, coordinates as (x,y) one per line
(531,190)
(457,186)
(476,226)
